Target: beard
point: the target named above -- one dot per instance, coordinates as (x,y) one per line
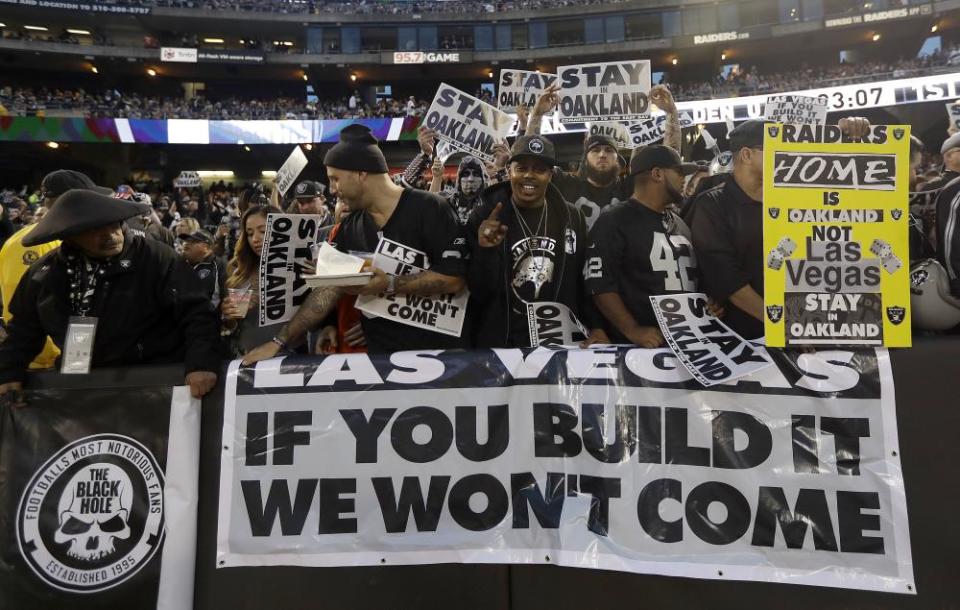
(603,177)
(674,194)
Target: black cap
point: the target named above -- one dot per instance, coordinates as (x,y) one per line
(748,134)
(58,182)
(597,139)
(308,189)
(534,147)
(658,155)
(198,236)
(357,151)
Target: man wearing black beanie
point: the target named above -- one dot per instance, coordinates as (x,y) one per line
(416,228)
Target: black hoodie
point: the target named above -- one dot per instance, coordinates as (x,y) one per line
(491,275)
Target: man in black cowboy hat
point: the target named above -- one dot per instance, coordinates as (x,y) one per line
(528,246)
(147,305)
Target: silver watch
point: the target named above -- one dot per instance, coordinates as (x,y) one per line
(391,285)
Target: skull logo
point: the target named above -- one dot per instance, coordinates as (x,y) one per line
(535,269)
(95,511)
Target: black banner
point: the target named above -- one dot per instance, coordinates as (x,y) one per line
(82,473)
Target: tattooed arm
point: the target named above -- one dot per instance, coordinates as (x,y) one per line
(660,95)
(425,283)
(311,314)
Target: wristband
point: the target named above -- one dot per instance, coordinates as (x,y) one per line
(279,342)
(391,286)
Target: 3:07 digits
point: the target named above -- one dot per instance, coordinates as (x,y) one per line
(860,98)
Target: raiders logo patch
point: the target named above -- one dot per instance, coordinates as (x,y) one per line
(203,273)
(125,263)
(896,214)
(773,130)
(774,212)
(92,516)
(774,312)
(30,257)
(898,134)
(896,314)
(918,277)
(535,146)
(301,187)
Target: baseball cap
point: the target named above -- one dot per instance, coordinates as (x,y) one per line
(308,189)
(198,236)
(748,134)
(650,157)
(60,181)
(534,147)
(950,143)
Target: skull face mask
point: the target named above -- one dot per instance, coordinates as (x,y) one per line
(95,511)
(471,177)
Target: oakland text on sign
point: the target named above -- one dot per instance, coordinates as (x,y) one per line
(612,91)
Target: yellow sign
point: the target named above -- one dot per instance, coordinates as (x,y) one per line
(835,243)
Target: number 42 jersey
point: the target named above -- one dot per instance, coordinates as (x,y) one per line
(638,252)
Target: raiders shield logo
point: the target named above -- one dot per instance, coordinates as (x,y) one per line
(918,277)
(535,146)
(301,187)
(773,130)
(898,134)
(774,212)
(125,264)
(774,312)
(896,214)
(896,314)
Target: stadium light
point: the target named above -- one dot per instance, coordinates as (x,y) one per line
(490,74)
(78,32)
(215,173)
(151,72)
(53,145)
(933,28)
(308,146)
(3,25)
(876,37)
(94,70)
(305,77)
(353,78)
(268,173)
(213,40)
(246,148)
(35,28)
(723,56)
(675,61)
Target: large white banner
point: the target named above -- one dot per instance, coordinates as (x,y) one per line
(609,458)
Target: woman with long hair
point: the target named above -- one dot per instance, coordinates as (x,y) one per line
(239,309)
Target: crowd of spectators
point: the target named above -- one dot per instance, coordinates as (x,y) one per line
(365,7)
(751,81)
(27,101)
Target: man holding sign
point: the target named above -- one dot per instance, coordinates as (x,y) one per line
(413,229)
(641,249)
(598,183)
(528,246)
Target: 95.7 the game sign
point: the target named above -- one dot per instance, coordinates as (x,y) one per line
(835,217)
